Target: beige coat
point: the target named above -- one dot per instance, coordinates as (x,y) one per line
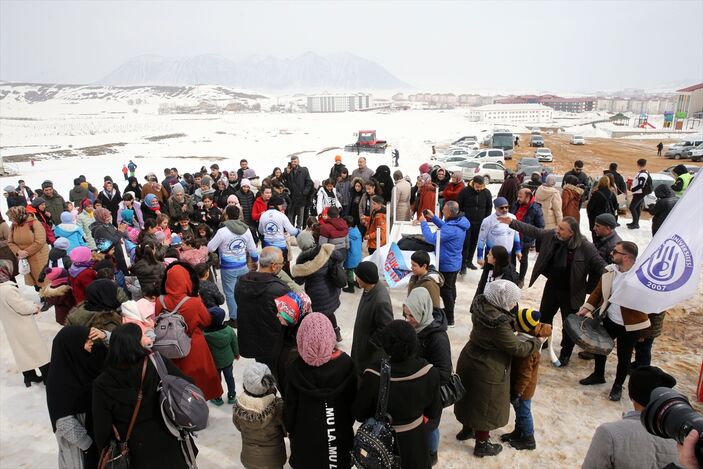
(30,237)
(550,199)
(402,193)
(16,315)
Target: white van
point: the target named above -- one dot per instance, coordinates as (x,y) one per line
(489,154)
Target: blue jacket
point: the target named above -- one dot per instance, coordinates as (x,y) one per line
(451,241)
(73,233)
(354,252)
(534,217)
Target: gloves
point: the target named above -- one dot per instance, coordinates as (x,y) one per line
(515,401)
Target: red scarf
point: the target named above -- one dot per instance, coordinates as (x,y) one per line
(522,209)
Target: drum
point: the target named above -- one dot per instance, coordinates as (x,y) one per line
(589,333)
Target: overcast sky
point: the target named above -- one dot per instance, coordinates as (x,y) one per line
(576,46)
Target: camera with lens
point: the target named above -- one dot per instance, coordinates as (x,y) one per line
(670,415)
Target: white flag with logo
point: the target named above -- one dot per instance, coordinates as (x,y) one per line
(668,271)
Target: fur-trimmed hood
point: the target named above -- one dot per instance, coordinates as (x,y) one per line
(50,292)
(573,188)
(255,409)
(312,260)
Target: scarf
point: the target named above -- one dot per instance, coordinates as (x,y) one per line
(419,303)
(523,208)
(102,215)
(101,295)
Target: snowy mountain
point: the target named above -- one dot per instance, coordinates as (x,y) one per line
(308,71)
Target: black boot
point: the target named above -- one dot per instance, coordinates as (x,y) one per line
(31,377)
(349,288)
(338,334)
(515,434)
(465,434)
(564,358)
(486,448)
(44,373)
(434,459)
(615,392)
(525,442)
(592,379)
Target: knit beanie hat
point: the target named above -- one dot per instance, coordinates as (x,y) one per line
(248,174)
(425,178)
(102,215)
(233,199)
(66,217)
(425,168)
(206,181)
(550,181)
(527,319)
(38,201)
(316,339)
(218,316)
(338,158)
(57,276)
(85,202)
(62,243)
(258,381)
(127,215)
(245,182)
(644,380)
(368,272)
(9,189)
(151,201)
(177,189)
(503,294)
(500,202)
(305,240)
(293,306)
(80,254)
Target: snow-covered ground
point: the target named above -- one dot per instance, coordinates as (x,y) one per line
(566,414)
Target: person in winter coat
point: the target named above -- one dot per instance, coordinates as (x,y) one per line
(549,198)
(426,196)
(356,193)
(314,267)
(666,199)
(416,381)
(110,198)
(151,208)
(320,389)
(334,231)
(134,187)
(233,242)
(510,187)
(58,293)
(115,397)
(343,188)
(527,210)
(104,230)
(84,220)
(222,341)
(5,251)
(55,204)
(453,228)
(78,193)
(26,343)
(327,196)
(258,415)
(372,315)
(76,361)
(130,211)
(81,273)
(14,198)
(571,198)
(362,171)
(180,204)
(454,187)
(148,268)
(223,190)
(209,293)
(353,252)
(425,276)
(101,308)
(572,267)
(402,197)
(683,179)
(605,237)
(260,204)
(383,176)
(602,200)
(475,202)
(155,188)
(523,381)
(484,365)
(71,231)
(337,168)
(494,234)
(142,317)
(297,179)
(27,240)
(260,333)
(377,220)
(497,266)
(371,189)
(431,327)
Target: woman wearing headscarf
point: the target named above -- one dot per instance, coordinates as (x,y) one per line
(426,196)
(223,190)
(484,365)
(291,309)
(416,381)
(431,326)
(101,308)
(320,389)
(549,198)
(115,396)
(110,198)
(76,360)
(180,281)
(21,329)
(27,240)
(5,251)
(134,187)
(103,230)
(383,176)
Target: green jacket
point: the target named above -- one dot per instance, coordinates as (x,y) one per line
(224,346)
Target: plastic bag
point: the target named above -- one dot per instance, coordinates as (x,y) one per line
(23,268)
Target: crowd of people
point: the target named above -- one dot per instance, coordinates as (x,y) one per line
(114,262)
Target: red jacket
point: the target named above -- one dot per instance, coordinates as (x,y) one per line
(334,228)
(198,364)
(257,209)
(451,192)
(425,199)
(81,282)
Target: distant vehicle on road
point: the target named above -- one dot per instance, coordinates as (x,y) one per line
(696,154)
(544,154)
(528,166)
(536,141)
(577,140)
(681,149)
(455,151)
(490,154)
(492,171)
(467,139)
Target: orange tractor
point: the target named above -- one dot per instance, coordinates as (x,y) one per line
(366,141)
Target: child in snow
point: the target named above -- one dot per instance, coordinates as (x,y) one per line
(81,273)
(58,257)
(131,313)
(58,293)
(193,252)
(147,303)
(353,252)
(209,292)
(69,230)
(72,210)
(222,341)
(258,415)
(377,220)
(523,381)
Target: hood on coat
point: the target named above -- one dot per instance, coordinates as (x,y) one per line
(257,283)
(439,324)
(432,275)
(68,227)
(305,265)
(322,381)
(573,188)
(460,221)
(664,191)
(130,310)
(488,315)
(545,193)
(237,227)
(255,409)
(334,228)
(180,280)
(50,292)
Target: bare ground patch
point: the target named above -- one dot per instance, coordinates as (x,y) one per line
(164,137)
(95,150)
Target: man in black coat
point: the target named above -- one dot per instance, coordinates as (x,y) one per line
(572,267)
(583,182)
(260,332)
(300,186)
(475,203)
(619,180)
(666,199)
(373,314)
(605,237)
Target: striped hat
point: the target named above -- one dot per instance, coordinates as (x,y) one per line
(527,319)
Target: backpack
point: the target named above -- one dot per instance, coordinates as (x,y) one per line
(648,186)
(183,407)
(375,444)
(172,340)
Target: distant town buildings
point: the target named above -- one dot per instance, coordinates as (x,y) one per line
(646,104)
(449,100)
(512,113)
(339,102)
(555,102)
(690,101)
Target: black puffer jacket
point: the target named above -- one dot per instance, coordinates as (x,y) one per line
(475,205)
(246,200)
(300,184)
(313,268)
(666,199)
(435,347)
(105,231)
(148,274)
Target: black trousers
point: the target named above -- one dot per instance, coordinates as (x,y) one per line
(448,294)
(636,208)
(524,262)
(553,300)
(470,243)
(625,342)
(296,214)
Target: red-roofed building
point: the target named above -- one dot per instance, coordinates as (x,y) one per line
(689,100)
(555,102)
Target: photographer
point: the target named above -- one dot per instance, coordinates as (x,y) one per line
(626,443)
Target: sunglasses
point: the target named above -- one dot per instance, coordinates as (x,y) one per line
(505,207)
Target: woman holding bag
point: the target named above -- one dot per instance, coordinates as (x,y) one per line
(27,241)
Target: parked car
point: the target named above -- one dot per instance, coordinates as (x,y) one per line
(658,179)
(465,139)
(490,154)
(492,171)
(693,169)
(531,165)
(470,144)
(451,159)
(544,154)
(535,131)
(454,151)
(681,149)
(577,140)
(536,141)
(696,154)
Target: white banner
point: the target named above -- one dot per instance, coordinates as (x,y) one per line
(668,271)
